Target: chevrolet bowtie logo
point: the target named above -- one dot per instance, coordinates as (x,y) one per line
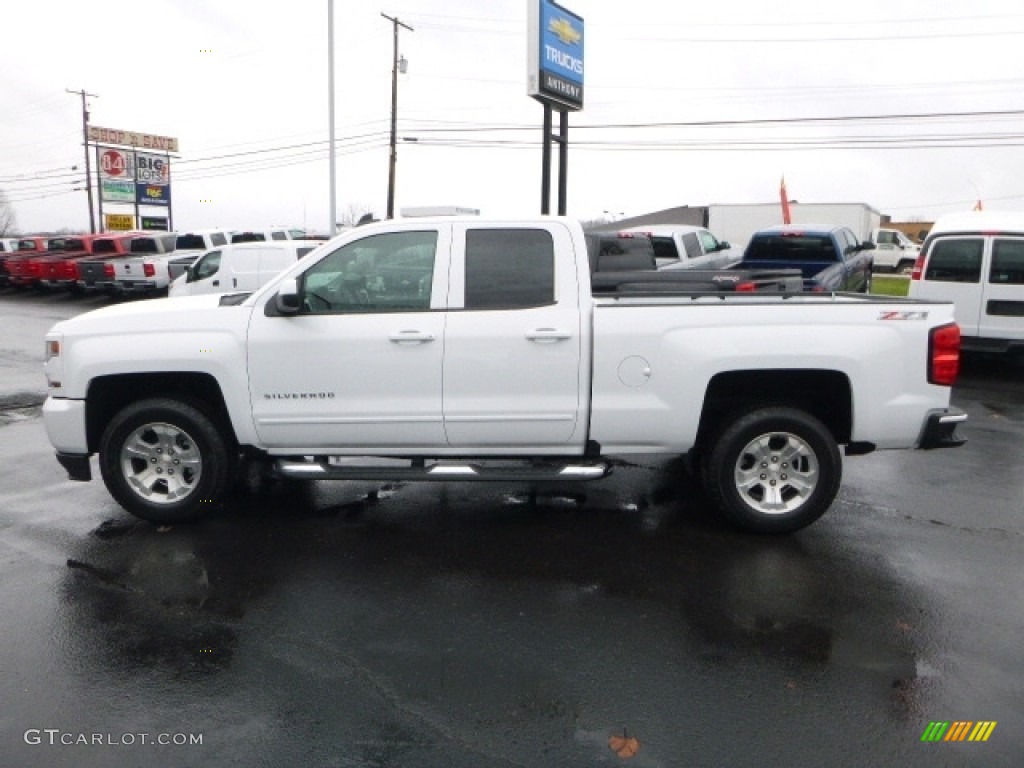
(565,31)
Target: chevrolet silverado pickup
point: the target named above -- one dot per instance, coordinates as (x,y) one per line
(467,349)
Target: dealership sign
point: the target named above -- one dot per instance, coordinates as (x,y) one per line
(555,55)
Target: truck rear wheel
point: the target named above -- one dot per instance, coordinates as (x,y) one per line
(164,461)
(774,470)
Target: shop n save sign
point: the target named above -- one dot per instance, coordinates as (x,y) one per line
(99,135)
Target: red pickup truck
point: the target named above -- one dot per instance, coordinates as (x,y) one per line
(66,273)
(27,248)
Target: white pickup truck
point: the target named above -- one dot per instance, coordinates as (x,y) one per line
(150,273)
(688,247)
(894,251)
(463,349)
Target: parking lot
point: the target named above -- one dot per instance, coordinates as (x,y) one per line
(362,624)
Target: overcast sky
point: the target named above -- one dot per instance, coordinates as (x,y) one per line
(674,95)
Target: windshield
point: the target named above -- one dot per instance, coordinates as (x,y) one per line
(190,243)
(791,248)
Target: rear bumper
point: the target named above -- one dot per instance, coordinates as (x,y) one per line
(940,429)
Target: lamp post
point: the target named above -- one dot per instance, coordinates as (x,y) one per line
(396,65)
(333,203)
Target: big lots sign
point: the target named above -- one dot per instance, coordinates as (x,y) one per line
(151,169)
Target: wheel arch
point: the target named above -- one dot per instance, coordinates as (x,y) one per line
(109,394)
(827,395)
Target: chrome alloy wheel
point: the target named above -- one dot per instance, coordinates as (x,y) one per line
(161,463)
(776,473)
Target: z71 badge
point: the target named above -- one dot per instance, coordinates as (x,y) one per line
(903,315)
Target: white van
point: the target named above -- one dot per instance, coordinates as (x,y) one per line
(976,260)
(239,267)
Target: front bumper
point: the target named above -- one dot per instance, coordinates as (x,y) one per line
(77,465)
(940,429)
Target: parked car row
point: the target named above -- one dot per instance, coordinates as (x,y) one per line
(137,263)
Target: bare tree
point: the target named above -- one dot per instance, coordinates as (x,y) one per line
(352,214)
(8,220)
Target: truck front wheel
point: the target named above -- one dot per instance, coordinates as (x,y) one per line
(774,470)
(164,461)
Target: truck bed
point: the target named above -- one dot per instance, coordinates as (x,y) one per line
(696,281)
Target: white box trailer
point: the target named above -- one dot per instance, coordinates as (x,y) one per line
(736,223)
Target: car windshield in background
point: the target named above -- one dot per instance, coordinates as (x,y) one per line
(144,245)
(190,243)
(790,248)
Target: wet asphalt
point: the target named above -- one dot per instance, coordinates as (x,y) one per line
(361,624)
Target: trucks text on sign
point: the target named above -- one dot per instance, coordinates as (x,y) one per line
(555,54)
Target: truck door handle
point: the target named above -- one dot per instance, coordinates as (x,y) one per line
(234,282)
(547,335)
(216,282)
(411,337)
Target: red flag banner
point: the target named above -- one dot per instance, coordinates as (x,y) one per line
(786,218)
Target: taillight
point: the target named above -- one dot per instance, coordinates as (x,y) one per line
(746,287)
(918,267)
(76,273)
(944,354)
(148,269)
(108,270)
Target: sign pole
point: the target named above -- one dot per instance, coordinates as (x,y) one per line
(99,175)
(545,164)
(170,203)
(135,165)
(563,160)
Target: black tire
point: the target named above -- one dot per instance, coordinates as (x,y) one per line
(164,461)
(773,470)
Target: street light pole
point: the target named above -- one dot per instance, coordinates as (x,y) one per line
(395,23)
(333,224)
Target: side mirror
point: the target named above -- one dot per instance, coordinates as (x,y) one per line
(287,300)
(724,245)
(190,276)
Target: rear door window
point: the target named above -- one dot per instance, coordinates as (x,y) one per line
(692,245)
(509,268)
(1007,262)
(955,260)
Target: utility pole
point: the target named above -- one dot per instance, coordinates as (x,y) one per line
(395,23)
(333,206)
(88,165)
